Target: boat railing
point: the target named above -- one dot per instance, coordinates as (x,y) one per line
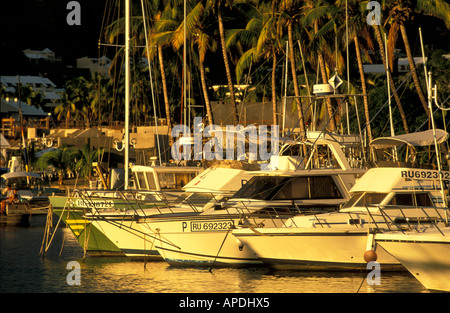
(272,212)
(412,222)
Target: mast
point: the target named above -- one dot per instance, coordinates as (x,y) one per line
(127,91)
(389,90)
(430,90)
(184,65)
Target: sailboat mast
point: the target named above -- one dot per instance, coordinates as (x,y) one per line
(184,64)
(127,91)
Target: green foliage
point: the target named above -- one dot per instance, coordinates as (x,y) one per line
(256,31)
(67,159)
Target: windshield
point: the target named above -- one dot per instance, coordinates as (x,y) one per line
(198,199)
(289,188)
(368,199)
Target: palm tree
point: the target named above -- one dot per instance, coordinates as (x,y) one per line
(313,14)
(86,156)
(289,16)
(61,159)
(66,107)
(161,37)
(196,24)
(399,13)
(204,43)
(217,6)
(260,41)
(389,76)
(357,27)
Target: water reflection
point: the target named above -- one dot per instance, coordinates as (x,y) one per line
(105,275)
(23,270)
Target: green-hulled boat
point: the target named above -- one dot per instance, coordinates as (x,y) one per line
(89,237)
(150,182)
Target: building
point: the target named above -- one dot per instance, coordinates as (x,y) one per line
(36,56)
(11,120)
(95,65)
(45,86)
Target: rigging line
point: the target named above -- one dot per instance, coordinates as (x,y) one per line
(136,232)
(226,235)
(122,46)
(151,79)
(387,101)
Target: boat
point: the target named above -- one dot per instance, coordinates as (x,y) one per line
(425,254)
(269,199)
(201,194)
(155,185)
(382,199)
(28,207)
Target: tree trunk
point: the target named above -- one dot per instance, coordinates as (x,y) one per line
(294,79)
(363,87)
(391,80)
(165,93)
(274,91)
(413,69)
(205,93)
(227,66)
(325,81)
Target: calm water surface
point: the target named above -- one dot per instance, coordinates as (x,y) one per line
(23,270)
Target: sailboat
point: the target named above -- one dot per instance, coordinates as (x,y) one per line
(150,182)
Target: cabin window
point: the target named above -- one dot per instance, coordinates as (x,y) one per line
(200,199)
(181,179)
(411,199)
(371,199)
(166,180)
(259,187)
(141,180)
(151,180)
(289,188)
(355,197)
(314,187)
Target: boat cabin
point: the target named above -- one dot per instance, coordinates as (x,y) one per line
(394,189)
(158,178)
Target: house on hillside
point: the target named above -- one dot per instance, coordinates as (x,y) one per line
(95,65)
(45,86)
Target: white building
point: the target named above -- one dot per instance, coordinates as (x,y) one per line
(95,65)
(42,84)
(38,55)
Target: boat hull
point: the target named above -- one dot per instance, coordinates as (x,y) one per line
(25,214)
(313,249)
(89,237)
(204,241)
(426,257)
(124,234)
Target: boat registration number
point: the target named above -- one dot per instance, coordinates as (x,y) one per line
(425,174)
(207,226)
(93,204)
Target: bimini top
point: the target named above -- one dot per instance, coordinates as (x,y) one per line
(418,139)
(13,175)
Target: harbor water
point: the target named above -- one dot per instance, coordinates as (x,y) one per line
(24,270)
